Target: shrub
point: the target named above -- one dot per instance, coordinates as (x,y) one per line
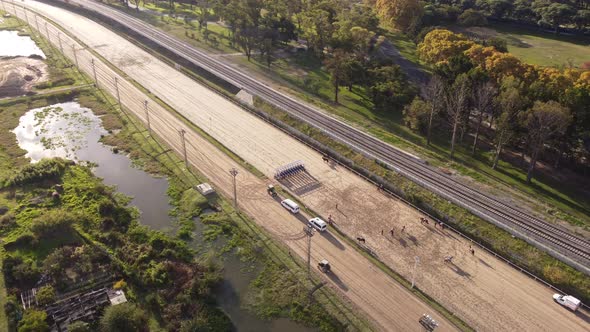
(33,321)
(45,295)
(78,326)
(46,169)
(123,318)
(53,223)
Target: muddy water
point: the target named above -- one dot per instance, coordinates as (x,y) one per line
(14,45)
(70,131)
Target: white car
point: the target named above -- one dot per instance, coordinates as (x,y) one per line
(318,224)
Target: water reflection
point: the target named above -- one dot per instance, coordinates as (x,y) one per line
(14,45)
(70,131)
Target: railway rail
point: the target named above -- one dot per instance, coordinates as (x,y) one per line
(556,241)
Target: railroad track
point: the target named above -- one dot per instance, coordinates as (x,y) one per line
(553,239)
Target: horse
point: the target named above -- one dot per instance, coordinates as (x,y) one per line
(361,239)
(325,158)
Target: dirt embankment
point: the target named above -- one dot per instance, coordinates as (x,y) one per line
(18,75)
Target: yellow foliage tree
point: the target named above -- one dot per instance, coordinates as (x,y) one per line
(402,14)
(439,45)
(478,54)
(504,64)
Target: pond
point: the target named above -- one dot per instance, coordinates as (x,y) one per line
(70,131)
(15,45)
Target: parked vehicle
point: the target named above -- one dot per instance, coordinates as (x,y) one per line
(290,205)
(318,224)
(324,266)
(567,301)
(271,190)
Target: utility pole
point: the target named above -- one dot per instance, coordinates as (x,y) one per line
(309,234)
(182,132)
(75,56)
(60,46)
(26,16)
(147,116)
(117,90)
(94,71)
(416,262)
(47,32)
(37,24)
(234,173)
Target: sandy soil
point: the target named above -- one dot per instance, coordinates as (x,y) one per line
(18,75)
(479,288)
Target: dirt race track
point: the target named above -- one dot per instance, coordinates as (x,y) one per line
(485,292)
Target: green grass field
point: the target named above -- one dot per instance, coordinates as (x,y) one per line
(541,48)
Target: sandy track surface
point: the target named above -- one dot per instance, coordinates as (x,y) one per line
(18,75)
(482,290)
(388,305)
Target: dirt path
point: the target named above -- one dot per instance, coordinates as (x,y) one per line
(18,75)
(482,290)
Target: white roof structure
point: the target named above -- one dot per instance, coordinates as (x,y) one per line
(205,189)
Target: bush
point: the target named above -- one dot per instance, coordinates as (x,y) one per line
(46,169)
(33,321)
(53,223)
(123,318)
(45,295)
(499,44)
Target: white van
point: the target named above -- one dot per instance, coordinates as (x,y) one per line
(318,224)
(290,205)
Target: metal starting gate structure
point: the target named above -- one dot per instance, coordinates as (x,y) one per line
(289,169)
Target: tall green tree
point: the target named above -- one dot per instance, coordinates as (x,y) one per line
(483,103)
(339,67)
(511,102)
(544,120)
(433,93)
(457,98)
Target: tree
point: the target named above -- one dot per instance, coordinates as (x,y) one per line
(316,29)
(543,121)
(556,14)
(433,93)
(33,321)
(389,88)
(338,65)
(402,14)
(483,103)
(472,17)
(123,318)
(511,103)
(456,105)
(416,114)
(45,295)
(439,45)
(582,18)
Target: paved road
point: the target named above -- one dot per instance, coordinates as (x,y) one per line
(548,237)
